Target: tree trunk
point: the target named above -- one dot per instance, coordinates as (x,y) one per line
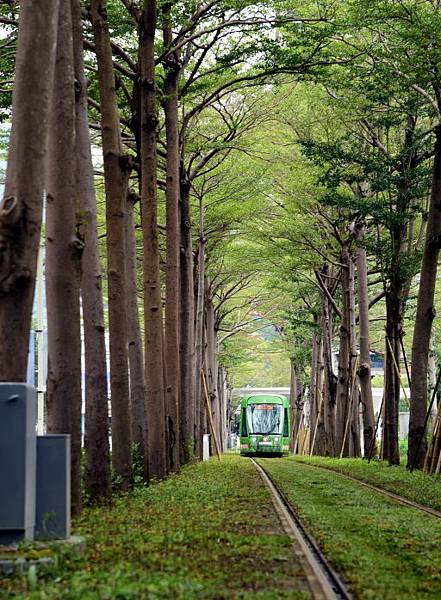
(136,359)
(292,404)
(172,325)
(433,458)
(116,174)
(187,317)
(63,256)
(320,431)
(431,368)
(154,350)
(22,205)
(221,396)
(211,364)
(199,334)
(330,378)
(364,369)
(354,391)
(343,381)
(390,448)
(97,468)
(313,387)
(425,314)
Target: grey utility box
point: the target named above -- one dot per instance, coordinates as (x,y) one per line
(18,416)
(53,487)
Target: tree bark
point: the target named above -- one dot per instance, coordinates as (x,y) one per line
(154,348)
(97,468)
(22,205)
(431,368)
(390,448)
(116,174)
(292,404)
(364,369)
(199,334)
(313,397)
(342,393)
(63,256)
(329,375)
(320,430)
(354,391)
(136,358)
(187,319)
(211,363)
(172,325)
(425,314)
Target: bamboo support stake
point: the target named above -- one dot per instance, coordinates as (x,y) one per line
(433,447)
(305,440)
(296,441)
(406,364)
(349,416)
(316,423)
(438,465)
(429,410)
(397,371)
(210,416)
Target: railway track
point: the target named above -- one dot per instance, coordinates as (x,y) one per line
(323,581)
(399,499)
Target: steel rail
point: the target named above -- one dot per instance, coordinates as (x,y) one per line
(399,499)
(323,581)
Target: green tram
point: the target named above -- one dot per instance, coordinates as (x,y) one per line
(264,426)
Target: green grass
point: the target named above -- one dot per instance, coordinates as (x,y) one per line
(417,486)
(209,532)
(384,550)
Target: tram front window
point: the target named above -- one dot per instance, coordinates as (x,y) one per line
(265,419)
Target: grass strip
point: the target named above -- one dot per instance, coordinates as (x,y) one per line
(417,486)
(208,532)
(382,549)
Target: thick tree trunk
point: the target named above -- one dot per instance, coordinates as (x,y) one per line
(431,368)
(300,403)
(432,463)
(424,316)
(63,256)
(199,335)
(97,468)
(187,322)
(116,174)
(221,395)
(154,350)
(330,386)
(354,391)
(364,369)
(313,399)
(136,358)
(223,403)
(203,413)
(211,365)
(320,431)
(172,325)
(390,448)
(343,381)
(292,404)
(22,205)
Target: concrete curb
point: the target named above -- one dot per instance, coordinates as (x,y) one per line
(19,563)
